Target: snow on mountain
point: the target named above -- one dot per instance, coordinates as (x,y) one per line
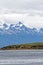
(18,33)
(18,28)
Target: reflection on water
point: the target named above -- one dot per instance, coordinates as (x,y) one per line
(21,57)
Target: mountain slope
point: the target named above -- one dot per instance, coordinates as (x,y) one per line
(19,33)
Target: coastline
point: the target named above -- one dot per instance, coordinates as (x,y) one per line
(32,46)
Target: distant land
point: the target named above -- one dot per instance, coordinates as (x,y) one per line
(38,45)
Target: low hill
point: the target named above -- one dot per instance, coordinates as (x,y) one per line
(38,45)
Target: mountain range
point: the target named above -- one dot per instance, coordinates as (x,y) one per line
(19,34)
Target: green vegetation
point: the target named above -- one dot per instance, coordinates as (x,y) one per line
(38,45)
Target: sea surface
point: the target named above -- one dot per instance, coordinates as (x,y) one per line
(21,57)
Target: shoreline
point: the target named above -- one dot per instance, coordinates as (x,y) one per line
(32,46)
(21,49)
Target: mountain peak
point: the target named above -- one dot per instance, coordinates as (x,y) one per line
(20,22)
(5,25)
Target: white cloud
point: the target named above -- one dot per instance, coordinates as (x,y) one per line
(11,18)
(34,21)
(12,6)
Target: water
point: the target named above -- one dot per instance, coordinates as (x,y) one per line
(21,57)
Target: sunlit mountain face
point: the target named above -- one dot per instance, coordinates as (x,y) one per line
(19,34)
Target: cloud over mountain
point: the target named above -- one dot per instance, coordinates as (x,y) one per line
(35,21)
(29,12)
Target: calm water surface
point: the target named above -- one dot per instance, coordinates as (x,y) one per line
(21,57)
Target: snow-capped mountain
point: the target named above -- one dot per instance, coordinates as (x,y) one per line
(16,28)
(19,33)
